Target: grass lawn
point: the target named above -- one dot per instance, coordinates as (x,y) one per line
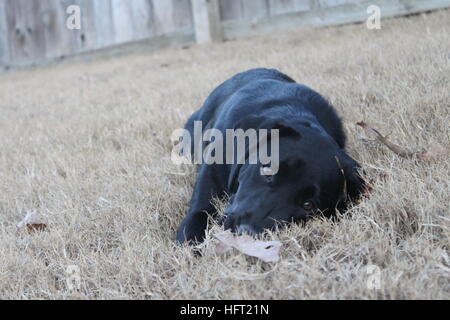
(87,145)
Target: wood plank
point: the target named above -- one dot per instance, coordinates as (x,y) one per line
(74,40)
(34,31)
(285,6)
(104,23)
(335,3)
(230,9)
(176,39)
(70,40)
(4,36)
(141,18)
(255,9)
(59,40)
(162,15)
(182,14)
(123,21)
(328,16)
(132,20)
(207,24)
(26,35)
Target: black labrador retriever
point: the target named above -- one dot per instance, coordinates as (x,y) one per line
(314,173)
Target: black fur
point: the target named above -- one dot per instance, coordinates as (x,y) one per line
(314,166)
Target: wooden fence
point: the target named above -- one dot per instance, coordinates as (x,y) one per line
(35,31)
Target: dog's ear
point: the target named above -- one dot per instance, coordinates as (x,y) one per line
(285,130)
(354,183)
(258,122)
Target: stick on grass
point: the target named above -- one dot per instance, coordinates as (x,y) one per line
(434,151)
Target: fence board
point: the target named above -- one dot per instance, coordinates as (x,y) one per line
(285,6)
(50,22)
(104,23)
(85,39)
(348,13)
(230,9)
(206,15)
(335,3)
(33,31)
(25,33)
(123,20)
(182,14)
(162,14)
(142,23)
(4,39)
(255,9)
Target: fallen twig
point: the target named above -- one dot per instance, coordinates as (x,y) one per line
(433,152)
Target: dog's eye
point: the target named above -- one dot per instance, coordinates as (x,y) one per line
(308,205)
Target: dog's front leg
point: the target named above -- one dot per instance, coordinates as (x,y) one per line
(193,227)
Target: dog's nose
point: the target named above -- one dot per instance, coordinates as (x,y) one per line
(238,222)
(245,229)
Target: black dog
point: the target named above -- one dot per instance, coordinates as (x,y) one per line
(315,174)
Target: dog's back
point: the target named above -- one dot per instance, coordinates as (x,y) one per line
(258,91)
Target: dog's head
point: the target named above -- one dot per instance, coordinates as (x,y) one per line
(315,176)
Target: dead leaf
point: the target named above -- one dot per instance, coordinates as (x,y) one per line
(434,151)
(33,221)
(267,251)
(34,227)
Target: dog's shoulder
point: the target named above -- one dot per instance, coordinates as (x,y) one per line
(256,90)
(260,74)
(324,111)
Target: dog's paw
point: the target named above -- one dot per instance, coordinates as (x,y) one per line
(191,236)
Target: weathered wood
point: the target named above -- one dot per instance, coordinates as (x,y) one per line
(34,31)
(285,6)
(207,24)
(162,15)
(175,39)
(182,14)
(84,39)
(61,41)
(335,3)
(25,31)
(326,16)
(4,37)
(50,23)
(123,20)
(230,9)
(255,9)
(142,24)
(104,23)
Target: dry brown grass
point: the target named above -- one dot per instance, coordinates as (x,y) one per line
(86,144)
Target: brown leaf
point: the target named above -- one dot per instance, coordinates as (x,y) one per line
(35,227)
(267,251)
(33,222)
(434,152)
